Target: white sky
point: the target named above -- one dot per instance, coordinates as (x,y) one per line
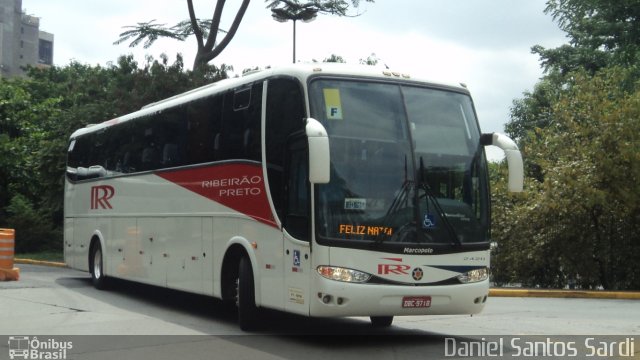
(483,43)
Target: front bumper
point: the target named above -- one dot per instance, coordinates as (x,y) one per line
(331,298)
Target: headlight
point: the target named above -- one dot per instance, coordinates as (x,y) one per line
(474,276)
(343,274)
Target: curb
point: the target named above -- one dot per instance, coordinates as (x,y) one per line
(581,294)
(39,262)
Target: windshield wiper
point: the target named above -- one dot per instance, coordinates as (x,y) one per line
(434,200)
(400,198)
(396,205)
(403,196)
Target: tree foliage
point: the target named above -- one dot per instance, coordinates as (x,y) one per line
(37,115)
(327,7)
(21,134)
(601,33)
(334,59)
(577,223)
(580,224)
(206,32)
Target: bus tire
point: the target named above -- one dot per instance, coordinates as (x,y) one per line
(96,267)
(248,314)
(381,321)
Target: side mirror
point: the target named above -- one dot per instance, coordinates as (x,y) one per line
(513,155)
(319,156)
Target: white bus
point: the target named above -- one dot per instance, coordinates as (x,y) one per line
(320,190)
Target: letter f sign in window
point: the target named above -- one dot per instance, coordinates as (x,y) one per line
(100,196)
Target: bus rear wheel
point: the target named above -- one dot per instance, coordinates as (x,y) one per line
(248,313)
(96,266)
(381,321)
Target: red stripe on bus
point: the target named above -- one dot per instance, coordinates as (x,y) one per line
(237,186)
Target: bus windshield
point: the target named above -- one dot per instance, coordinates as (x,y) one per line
(407,166)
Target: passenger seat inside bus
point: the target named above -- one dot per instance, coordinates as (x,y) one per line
(149,158)
(170,155)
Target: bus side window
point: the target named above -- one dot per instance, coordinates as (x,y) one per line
(170,155)
(170,138)
(241,116)
(74,157)
(297,190)
(204,126)
(285,113)
(86,159)
(229,139)
(242,99)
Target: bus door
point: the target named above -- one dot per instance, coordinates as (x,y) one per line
(297,226)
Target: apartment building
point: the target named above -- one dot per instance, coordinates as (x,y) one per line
(22,42)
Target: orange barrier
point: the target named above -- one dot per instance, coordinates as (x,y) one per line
(10,274)
(7,246)
(7,252)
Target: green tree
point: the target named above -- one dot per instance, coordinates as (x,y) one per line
(601,33)
(576,223)
(22,131)
(334,59)
(371,60)
(327,7)
(37,115)
(530,114)
(581,223)
(206,32)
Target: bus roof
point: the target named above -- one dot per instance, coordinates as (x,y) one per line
(301,71)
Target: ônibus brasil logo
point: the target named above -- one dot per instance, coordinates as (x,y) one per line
(25,347)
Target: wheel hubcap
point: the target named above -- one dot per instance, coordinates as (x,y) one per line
(97,264)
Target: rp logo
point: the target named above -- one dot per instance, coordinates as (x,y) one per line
(395,269)
(100,196)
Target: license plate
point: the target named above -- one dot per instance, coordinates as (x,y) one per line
(416,301)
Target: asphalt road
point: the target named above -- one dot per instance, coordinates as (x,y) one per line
(52,303)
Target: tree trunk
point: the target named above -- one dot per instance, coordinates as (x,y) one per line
(209,50)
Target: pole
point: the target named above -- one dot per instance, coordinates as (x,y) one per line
(294,41)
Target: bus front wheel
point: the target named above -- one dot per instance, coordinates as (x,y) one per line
(381,321)
(248,318)
(96,266)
